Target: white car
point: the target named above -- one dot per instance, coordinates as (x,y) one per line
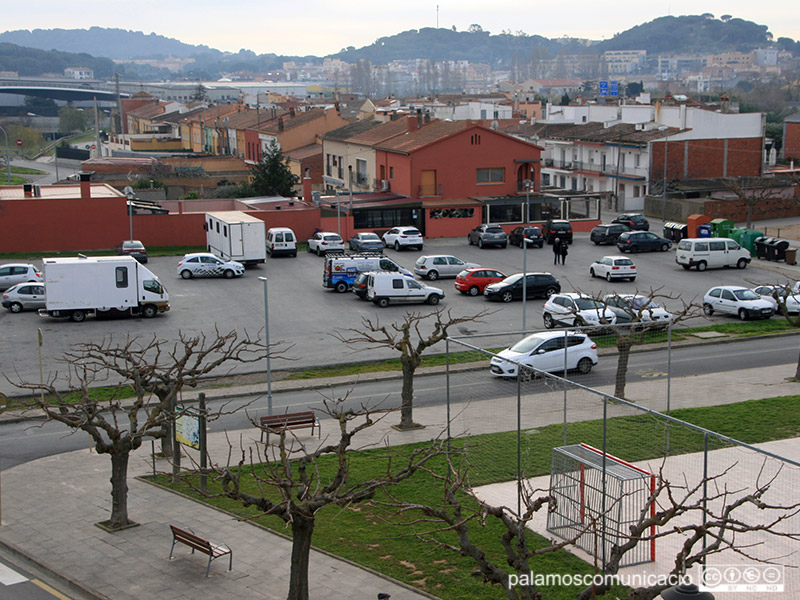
(205,264)
(545,351)
(14,273)
(633,307)
(739,301)
(613,267)
(576,310)
(780,297)
(323,242)
(441,265)
(403,237)
(24,296)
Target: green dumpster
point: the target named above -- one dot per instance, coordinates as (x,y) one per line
(736,234)
(721,227)
(748,239)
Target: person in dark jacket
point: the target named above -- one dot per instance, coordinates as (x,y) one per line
(556,250)
(563,251)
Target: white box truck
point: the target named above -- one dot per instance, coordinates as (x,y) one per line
(235,235)
(101,285)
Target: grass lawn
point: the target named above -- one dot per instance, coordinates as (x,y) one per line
(26,171)
(151,252)
(374,537)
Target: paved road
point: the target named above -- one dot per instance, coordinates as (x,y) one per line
(22,580)
(48,165)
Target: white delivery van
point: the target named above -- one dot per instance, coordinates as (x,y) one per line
(384,288)
(235,235)
(281,240)
(111,285)
(340,270)
(711,253)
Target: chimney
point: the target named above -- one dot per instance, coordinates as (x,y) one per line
(307,187)
(27,189)
(37,191)
(419,118)
(280,124)
(86,184)
(411,121)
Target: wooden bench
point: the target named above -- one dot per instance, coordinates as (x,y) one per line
(197,543)
(299,420)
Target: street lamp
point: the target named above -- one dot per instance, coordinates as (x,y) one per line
(129,196)
(266,340)
(8,160)
(527,183)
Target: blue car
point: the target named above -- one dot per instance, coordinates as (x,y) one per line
(366,242)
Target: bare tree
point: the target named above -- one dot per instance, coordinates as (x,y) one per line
(757,191)
(156,370)
(292,472)
(407,338)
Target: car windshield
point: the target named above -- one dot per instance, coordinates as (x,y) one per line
(528,344)
(369,237)
(133,245)
(640,303)
(410,232)
(494,230)
(745,295)
(623,261)
(463,273)
(421,260)
(151,285)
(684,245)
(332,238)
(588,304)
(512,278)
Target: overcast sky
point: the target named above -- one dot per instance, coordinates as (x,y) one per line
(323,27)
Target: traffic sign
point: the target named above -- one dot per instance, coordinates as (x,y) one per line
(93,146)
(19,142)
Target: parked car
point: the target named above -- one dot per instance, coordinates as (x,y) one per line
(359,287)
(24,296)
(434,266)
(782,298)
(557,228)
(341,270)
(634,221)
(205,264)
(403,237)
(488,235)
(14,273)
(133,248)
(613,267)
(526,235)
(711,253)
(473,281)
(323,242)
(642,241)
(538,285)
(576,310)
(607,234)
(281,240)
(545,351)
(384,288)
(366,242)
(633,307)
(739,301)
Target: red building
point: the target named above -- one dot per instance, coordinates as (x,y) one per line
(791,136)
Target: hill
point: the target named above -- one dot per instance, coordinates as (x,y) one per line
(30,62)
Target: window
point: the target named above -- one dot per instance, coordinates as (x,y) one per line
(732,246)
(151,285)
(495,175)
(361,171)
(701,247)
(397,284)
(122,277)
(225,230)
(718,246)
(391,172)
(727,295)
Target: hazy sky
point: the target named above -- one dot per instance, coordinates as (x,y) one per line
(323,26)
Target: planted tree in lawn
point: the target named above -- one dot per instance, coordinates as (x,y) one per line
(147,377)
(408,338)
(758,191)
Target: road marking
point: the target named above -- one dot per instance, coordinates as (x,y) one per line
(9,576)
(50,590)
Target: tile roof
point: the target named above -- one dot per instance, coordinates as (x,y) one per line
(273,126)
(305,152)
(427,134)
(347,131)
(175,117)
(589,132)
(381,133)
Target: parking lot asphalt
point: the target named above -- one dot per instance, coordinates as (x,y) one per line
(303,314)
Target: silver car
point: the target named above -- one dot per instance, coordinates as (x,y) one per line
(440,265)
(14,273)
(205,264)
(24,296)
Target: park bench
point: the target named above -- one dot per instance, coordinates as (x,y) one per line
(299,420)
(197,543)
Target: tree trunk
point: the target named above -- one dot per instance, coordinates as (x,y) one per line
(797,370)
(624,348)
(119,490)
(407,395)
(302,531)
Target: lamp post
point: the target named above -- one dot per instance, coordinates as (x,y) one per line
(527,183)
(266,339)
(8,160)
(129,196)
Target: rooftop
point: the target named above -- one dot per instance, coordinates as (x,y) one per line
(70,191)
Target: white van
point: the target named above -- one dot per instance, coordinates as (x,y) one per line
(385,288)
(281,240)
(340,270)
(711,253)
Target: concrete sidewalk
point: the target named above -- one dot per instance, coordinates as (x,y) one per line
(50,506)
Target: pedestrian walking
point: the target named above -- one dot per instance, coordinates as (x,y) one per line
(556,250)
(564,251)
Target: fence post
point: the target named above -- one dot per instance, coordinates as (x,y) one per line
(447,384)
(669,378)
(203,442)
(605,452)
(519,441)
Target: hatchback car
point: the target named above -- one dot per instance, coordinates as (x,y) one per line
(613,267)
(545,351)
(488,235)
(607,234)
(634,221)
(440,265)
(24,296)
(366,242)
(133,248)
(359,287)
(739,301)
(323,242)
(403,237)
(526,235)
(642,241)
(14,273)
(205,264)
(577,310)
(636,308)
(557,228)
(538,285)
(474,281)
(782,298)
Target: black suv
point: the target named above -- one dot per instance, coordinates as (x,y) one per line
(557,228)
(638,222)
(539,284)
(608,234)
(526,235)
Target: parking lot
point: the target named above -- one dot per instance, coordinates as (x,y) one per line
(303,313)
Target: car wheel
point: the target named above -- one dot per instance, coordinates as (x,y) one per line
(433,299)
(608,276)
(592,273)
(433,275)
(340,287)
(382,302)
(149,311)
(480,243)
(550,291)
(319,252)
(474,291)
(708,310)
(634,249)
(743,314)
(397,246)
(228,274)
(186,274)
(506,296)
(294,254)
(686,267)
(504,245)
(585,365)
(741,264)
(308,248)
(78,316)
(701,266)
(549,323)
(469,240)
(15,307)
(664,247)
(596,243)
(631,279)
(578,322)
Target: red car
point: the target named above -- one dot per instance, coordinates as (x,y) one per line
(472,281)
